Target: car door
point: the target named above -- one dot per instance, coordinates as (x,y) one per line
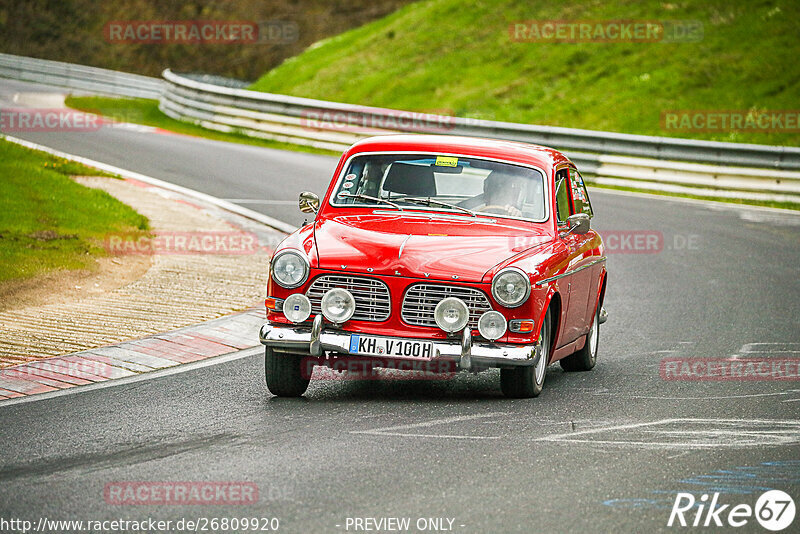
(575,287)
(563,210)
(584,280)
(590,246)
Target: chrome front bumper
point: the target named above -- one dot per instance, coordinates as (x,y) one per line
(315,341)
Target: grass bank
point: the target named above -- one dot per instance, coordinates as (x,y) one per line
(50,222)
(464,59)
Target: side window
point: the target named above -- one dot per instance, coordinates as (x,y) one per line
(580,197)
(562,196)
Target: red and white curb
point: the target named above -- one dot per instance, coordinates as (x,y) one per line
(214,342)
(194,343)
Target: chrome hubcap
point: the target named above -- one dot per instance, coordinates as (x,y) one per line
(541,366)
(593,335)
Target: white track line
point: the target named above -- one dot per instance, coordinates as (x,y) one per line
(392,430)
(150,375)
(782,437)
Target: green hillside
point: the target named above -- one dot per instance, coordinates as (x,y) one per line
(458,57)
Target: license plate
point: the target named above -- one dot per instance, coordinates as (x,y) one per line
(382,346)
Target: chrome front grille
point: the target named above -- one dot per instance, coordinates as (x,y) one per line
(421,300)
(372,296)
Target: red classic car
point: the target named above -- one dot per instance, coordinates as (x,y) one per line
(444,253)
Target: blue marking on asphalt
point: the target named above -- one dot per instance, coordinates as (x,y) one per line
(745,480)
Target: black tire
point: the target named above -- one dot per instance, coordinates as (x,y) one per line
(284,374)
(586,358)
(527,382)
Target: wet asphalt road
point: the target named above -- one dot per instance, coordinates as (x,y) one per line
(602,451)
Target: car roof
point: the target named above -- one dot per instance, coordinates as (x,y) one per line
(473,146)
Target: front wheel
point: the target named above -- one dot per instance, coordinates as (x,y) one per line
(284,374)
(527,382)
(586,358)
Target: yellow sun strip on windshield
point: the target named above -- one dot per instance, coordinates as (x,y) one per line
(445,161)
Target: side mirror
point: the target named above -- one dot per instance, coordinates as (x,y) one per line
(309,202)
(578,224)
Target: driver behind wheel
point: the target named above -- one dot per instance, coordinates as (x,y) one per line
(504,193)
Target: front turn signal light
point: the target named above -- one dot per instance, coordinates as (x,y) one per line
(274,304)
(521,326)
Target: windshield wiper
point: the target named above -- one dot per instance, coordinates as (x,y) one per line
(374,199)
(440,203)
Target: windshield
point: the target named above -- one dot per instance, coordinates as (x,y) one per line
(470,186)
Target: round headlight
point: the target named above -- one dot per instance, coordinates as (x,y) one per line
(511,287)
(492,325)
(297,308)
(289,269)
(451,314)
(338,305)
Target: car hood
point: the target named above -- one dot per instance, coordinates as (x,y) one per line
(453,248)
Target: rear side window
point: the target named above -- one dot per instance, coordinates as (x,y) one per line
(562,196)
(580,197)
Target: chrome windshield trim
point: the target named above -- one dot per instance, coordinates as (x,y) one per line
(545,180)
(567,273)
(422,213)
(368,197)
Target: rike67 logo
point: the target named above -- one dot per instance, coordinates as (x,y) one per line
(774,510)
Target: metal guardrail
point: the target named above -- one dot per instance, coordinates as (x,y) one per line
(90,79)
(207,100)
(702,167)
(706,168)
